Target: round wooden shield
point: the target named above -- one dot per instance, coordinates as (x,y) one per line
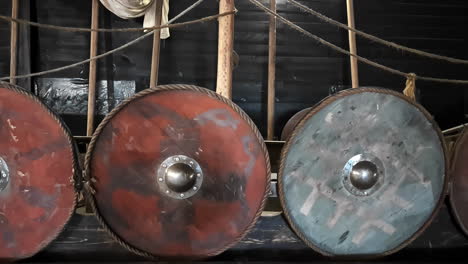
(37,169)
(459,182)
(363,173)
(292,123)
(178,172)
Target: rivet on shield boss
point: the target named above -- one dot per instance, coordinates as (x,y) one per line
(179,172)
(363,173)
(35,204)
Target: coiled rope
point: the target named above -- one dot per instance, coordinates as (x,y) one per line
(108,30)
(346,52)
(136,8)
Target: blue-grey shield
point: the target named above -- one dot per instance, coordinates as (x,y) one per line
(363,173)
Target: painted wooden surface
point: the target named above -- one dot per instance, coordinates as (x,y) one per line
(35,204)
(305,72)
(459,186)
(409,157)
(130,197)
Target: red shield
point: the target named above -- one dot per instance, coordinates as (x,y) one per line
(178,171)
(37,166)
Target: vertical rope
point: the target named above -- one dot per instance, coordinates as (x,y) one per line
(410,88)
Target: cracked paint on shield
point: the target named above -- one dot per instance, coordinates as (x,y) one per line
(382,125)
(152,128)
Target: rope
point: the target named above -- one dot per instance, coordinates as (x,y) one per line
(105,30)
(80,29)
(410,88)
(455,129)
(343,51)
(90,191)
(377,39)
(205,19)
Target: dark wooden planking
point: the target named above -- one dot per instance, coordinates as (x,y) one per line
(5,9)
(432,26)
(305,70)
(270,240)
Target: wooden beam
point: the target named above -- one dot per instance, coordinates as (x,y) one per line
(92,68)
(24,46)
(14,41)
(156,45)
(352,44)
(225,49)
(271,74)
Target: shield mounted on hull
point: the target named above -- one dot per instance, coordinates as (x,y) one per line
(459,182)
(363,173)
(178,172)
(292,123)
(37,171)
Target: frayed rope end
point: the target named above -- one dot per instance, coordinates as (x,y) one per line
(410,88)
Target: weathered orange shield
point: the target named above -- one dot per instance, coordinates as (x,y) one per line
(178,171)
(37,167)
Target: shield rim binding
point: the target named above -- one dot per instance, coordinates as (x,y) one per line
(292,122)
(75,177)
(325,102)
(453,209)
(90,191)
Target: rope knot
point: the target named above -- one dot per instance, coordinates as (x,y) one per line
(410,88)
(88,187)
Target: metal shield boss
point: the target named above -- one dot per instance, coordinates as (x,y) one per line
(178,172)
(37,169)
(363,173)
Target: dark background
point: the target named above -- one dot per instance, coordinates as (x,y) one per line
(305,70)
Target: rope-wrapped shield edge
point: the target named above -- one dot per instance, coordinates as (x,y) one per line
(89,190)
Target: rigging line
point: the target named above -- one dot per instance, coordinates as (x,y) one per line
(341,50)
(104,30)
(205,19)
(377,39)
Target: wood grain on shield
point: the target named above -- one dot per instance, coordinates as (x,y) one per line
(292,123)
(459,191)
(149,129)
(39,198)
(380,127)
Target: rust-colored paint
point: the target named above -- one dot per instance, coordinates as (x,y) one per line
(149,129)
(39,198)
(459,179)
